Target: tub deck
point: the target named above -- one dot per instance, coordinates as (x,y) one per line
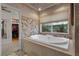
(39,48)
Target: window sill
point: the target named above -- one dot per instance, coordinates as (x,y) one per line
(53,33)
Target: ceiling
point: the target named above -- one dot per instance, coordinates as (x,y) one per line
(42,6)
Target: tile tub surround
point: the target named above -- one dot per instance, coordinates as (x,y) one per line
(37,50)
(32,47)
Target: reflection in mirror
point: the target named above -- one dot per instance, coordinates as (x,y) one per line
(59,26)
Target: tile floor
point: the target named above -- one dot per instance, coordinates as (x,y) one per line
(18,53)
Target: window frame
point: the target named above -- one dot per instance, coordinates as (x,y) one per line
(52,31)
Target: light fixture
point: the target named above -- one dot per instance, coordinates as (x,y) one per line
(39,9)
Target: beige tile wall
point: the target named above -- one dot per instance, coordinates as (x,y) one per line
(52,15)
(77,29)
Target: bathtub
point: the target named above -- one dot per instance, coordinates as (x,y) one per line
(51,40)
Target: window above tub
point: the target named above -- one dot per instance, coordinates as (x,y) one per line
(56,20)
(59,27)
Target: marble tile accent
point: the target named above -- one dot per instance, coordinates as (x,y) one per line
(29,26)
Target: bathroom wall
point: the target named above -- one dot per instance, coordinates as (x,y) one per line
(29,26)
(6,42)
(29,19)
(58,12)
(76,29)
(0,30)
(28,14)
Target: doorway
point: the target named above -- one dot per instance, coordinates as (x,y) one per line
(15,33)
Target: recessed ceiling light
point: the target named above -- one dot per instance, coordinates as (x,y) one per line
(39,9)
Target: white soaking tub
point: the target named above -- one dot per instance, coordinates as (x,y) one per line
(51,40)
